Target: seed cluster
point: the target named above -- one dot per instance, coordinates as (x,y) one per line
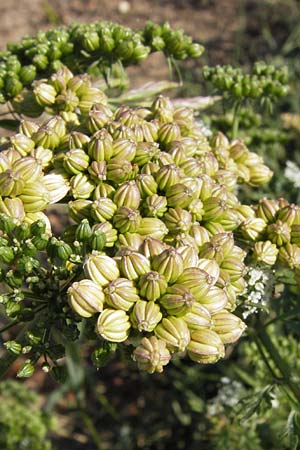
(154,246)
(85,47)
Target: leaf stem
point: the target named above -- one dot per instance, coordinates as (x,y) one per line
(236,118)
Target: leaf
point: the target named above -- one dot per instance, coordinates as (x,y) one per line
(196,102)
(101,355)
(249,405)
(9,124)
(148,90)
(292,430)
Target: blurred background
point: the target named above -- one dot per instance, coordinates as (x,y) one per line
(188,407)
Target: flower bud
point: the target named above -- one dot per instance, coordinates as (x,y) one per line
(75,161)
(42,156)
(199,234)
(267,209)
(44,94)
(155,205)
(22,144)
(127,220)
(133,264)
(260,174)
(167,176)
(128,195)
(234,267)
(57,124)
(121,294)
(97,171)
(145,151)
(46,137)
(179,195)
(265,252)
(152,285)
(119,171)
(178,300)
(178,220)
(83,231)
(205,347)
(214,300)
(279,233)
(197,318)
(57,185)
(146,184)
(151,247)
(153,227)
(86,298)
(228,326)
(168,132)
(28,128)
(11,183)
(103,209)
(111,234)
(101,268)
(29,169)
(295,234)
(113,325)
(252,228)
(174,331)
(189,255)
(131,240)
(100,147)
(211,267)
(124,149)
(290,254)
(145,315)
(288,214)
(35,197)
(151,355)
(81,186)
(104,190)
(169,264)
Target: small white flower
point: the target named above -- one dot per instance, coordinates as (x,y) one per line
(292,173)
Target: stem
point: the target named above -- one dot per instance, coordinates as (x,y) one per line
(280,364)
(236,118)
(92,429)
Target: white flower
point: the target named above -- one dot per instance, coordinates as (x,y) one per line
(292,173)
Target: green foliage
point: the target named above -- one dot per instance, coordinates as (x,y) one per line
(23,425)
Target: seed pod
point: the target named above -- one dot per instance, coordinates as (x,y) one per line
(127,220)
(169,264)
(288,214)
(168,132)
(11,183)
(101,268)
(199,234)
(279,233)
(46,137)
(44,94)
(260,174)
(211,267)
(124,149)
(289,254)
(128,195)
(76,139)
(178,300)
(145,151)
(81,186)
(6,254)
(145,315)
(265,252)
(205,347)
(167,176)
(174,331)
(104,190)
(86,298)
(234,267)
(252,228)
(75,161)
(57,124)
(98,117)
(121,294)
(178,220)
(83,231)
(103,209)
(197,318)
(113,325)
(90,97)
(151,355)
(228,326)
(5,163)
(152,285)
(97,240)
(210,250)
(100,147)
(197,281)
(189,255)
(133,264)
(97,171)
(295,234)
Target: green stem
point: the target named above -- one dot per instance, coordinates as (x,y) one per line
(236,118)
(92,430)
(278,361)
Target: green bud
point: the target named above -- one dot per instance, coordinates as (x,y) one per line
(211,267)
(98,117)
(6,254)
(127,220)
(100,146)
(279,233)
(145,316)
(113,325)
(101,268)
(12,208)
(260,174)
(119,171)
(151,355)
(155,205)
(197,281)
(152,285)
(131,240)
(121,294)
(152,227)
(234,267)
(26,370)
(57,185)
(13,347)
(103,209)
(267,209)
(288,214)
(179,195)
(83,231)
(174,331)
(289,254)
(199,234)
(205,347)
(35,196)
(81,186)
(86,298)
(169,264)
(75,161)
(97,240)
(167,176)
(295,234)
(80,209)
(128,195)
(97,171)
(11,183)
(46,137)
(178,220)
(151,247)
(146,184)
(111,234)
(124,149)
(252,228)
(178,300)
